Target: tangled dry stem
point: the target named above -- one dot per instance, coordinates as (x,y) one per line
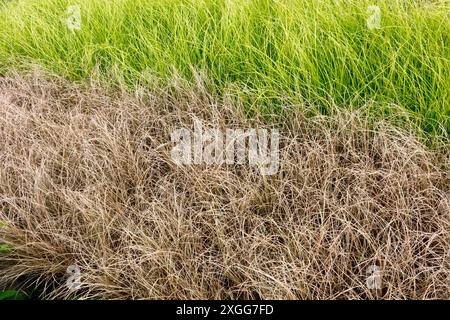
(86,178)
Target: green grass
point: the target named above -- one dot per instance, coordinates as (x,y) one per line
(269,52)
(12,295)
(4,248)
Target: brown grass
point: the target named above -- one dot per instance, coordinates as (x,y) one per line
(86,178)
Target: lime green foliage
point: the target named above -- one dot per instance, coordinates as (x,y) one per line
(270,52)
(12,295)
(4,248)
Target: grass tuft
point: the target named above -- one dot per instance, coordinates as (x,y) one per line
(269,52)
(87,179)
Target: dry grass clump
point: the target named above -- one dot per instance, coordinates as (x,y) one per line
(86,178)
